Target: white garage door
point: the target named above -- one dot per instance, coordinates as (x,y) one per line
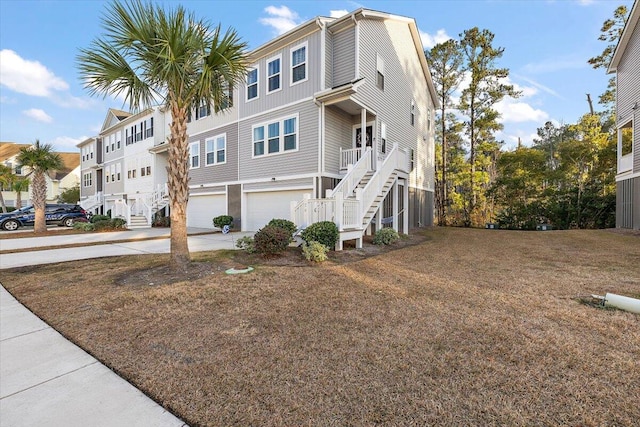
(264,206)
(202,209)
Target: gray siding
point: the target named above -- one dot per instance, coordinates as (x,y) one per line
(287,183)
(628,203)
(339,134)
(344,57)
(628,74)
(288,93)
(404,82)
(420,208)
(303,161)
(216,173)
(116,187)
(328,71)
(207,190)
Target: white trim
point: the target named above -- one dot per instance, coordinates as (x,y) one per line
(627,175)
(260,180)
(278,57)
(191,156)
(257,83)
(271,190)
(214,139)
(272,110)
(209,193)
(281,135)
(304,44)
(621,124)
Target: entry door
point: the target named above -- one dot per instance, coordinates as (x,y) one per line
(369,137)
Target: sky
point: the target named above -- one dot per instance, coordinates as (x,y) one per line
(546,47)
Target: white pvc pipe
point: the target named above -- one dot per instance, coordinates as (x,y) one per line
(622,302)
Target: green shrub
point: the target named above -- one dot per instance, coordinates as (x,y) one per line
(325,232)
(160,220)
(222,220)
(314,251)
(84,226)
(247,244)
(102,225)
(285,224)
(386,236)
(271,240)
(118,223)
(96,218)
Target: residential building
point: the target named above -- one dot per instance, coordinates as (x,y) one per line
(57,180)
(626,65)
(335,122)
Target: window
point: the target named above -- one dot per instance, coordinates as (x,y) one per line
(203,111)
(383,137)
(194,153)
(299,63)
(148,170)
(412,163)
(273,75)
(138,131)
(106,146)
(112,139)
(118,171)
(413,113)
(258,141)
(148,133)
(216,150)
(379,72)
(91,151)
(129,137)
(428,118)
(281,136)
(143,171)
(252,84)
(227,101)
(113,173)
(626,138)
(118,138)
(87,179)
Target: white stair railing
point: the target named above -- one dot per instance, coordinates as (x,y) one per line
(91,202)
(354,175)
(159,198)
(349,157)
(396,159)
(122,210)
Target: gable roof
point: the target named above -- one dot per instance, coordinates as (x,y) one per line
(630,26)
(113,117)
(10,149)
(70,160)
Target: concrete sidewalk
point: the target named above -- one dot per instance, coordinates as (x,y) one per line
(46,380)
(103,248)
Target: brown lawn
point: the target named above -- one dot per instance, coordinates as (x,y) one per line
(458,327)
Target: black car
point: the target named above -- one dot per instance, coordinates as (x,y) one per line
(61,214)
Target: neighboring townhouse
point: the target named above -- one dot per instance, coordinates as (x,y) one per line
(297,149)
(57,180)
(626,65)
(335,122)
(119,172)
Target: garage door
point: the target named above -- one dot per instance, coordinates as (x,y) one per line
(202,209)
(264,206)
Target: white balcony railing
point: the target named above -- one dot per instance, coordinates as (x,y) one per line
(121,210)
(356,171)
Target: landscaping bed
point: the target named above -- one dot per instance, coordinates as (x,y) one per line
(451,327)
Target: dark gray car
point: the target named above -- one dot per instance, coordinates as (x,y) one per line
(60,214)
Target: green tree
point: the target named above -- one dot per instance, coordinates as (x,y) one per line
(40,159)
(477,101)
(20,185)
(445,63)
(6,179)
(610,33)
(70,195)
(148,53)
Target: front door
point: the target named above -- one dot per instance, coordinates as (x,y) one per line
(368,134)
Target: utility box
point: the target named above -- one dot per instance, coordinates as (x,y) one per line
(544,227)
(491,226)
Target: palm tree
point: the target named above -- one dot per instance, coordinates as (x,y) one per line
(19,186)
(149,54)
(40,159)
(6,179)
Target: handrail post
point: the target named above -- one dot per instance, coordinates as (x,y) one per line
(339,208)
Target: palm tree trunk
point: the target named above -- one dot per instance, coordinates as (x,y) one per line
(39,197)
(178,184)
(2,204)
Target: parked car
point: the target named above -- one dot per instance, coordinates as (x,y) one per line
(60,214)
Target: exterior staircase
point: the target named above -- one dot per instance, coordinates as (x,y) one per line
(92,203)
(139,212)
(354,202)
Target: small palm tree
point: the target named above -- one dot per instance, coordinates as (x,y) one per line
(20,185)
(39,159)
(150,54)
(6,179)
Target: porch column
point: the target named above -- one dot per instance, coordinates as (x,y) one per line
(405,207)
(395,204)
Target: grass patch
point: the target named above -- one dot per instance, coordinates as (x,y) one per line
(452,327)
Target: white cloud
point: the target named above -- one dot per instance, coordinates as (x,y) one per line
(67,143)
(338,13)
(513,111)
(585,2)
(429,41)
(554,64)
(281,19)
(28,77)
(38,114)
(539,86)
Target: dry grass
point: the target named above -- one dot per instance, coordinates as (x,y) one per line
(468,327)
